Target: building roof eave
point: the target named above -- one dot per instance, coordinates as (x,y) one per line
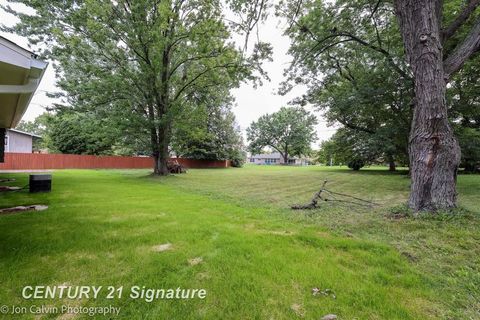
(15,94)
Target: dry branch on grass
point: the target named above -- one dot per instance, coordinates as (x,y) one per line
(317,197)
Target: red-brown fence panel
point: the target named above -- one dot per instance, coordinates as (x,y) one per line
(35,161)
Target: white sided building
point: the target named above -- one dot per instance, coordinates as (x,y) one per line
(20,74)
(276,158)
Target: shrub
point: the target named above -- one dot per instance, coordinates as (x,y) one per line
(238,158)
(356,164)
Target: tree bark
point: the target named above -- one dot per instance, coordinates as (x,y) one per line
(433,150)
(2,144)
(163,101)
(163,155)
(160,140)
(154,144)
(391,163)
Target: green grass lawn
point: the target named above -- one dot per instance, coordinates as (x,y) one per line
(259,260)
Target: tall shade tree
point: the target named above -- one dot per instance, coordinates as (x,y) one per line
(290,131)
(138,62)
(434,150)
(435,42)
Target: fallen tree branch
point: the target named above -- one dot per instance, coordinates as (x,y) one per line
(313,204)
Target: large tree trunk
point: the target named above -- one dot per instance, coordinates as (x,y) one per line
(161,154)
(160,159)
(2,144)
(154,144)
(433,150)
(391,163)
(163,158)
(160,140)
(163,103)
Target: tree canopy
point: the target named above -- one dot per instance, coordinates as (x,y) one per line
(290,131)
(141,63)
(381,67)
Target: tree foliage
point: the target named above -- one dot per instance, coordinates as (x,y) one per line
(290,131)
(208,130)
(72,132)
(38,126)
(139,63)
(350,56)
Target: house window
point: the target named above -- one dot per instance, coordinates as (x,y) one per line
(252,159)
(270,161)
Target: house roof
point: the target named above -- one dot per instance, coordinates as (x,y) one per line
(25,133)
(275,155)
(20,75)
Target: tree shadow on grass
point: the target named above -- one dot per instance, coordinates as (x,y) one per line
(369,171)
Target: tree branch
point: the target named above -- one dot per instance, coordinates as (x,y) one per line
(195,58)
(200,74)
(353,37)
(463,51)
(377,5)
(384,52)
(355,127)
(460,19)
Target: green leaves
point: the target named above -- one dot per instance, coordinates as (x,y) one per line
(208,130)
(289,131)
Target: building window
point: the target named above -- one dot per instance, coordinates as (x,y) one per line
(270,161)
(252,159)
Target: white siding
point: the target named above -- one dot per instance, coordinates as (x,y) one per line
(18,142)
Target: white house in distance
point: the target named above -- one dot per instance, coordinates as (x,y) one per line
(276,158)
(20,75)
(19,141)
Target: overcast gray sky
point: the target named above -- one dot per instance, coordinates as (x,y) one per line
(251,103)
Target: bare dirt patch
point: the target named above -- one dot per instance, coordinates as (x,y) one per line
(162,247)
(195,261)
(203,276)
(298,309)
(8,188)
(280,233)
(253,228)
(36,207)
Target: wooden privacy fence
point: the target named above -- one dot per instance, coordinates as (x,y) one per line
(35,161)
